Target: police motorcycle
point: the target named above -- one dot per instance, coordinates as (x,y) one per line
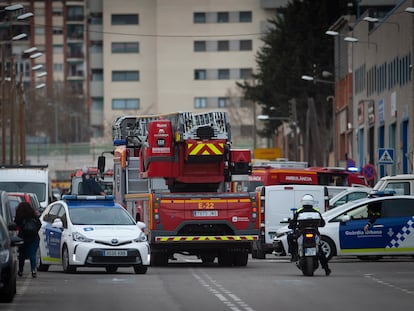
(308,239)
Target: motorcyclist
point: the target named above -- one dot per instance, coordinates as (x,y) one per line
(307,203)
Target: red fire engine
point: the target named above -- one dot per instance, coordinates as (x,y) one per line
(170,172)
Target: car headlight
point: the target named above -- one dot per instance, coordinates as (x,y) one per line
(141,237)
(78,237)
(4,256)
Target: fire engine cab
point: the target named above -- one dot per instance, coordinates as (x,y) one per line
(170,171)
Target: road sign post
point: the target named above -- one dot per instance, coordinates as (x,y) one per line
(385,156)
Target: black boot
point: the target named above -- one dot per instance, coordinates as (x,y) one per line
(327,271)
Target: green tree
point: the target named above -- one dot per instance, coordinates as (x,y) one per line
(296,44)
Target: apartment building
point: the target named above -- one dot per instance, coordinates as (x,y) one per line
(125,57)
(161,56)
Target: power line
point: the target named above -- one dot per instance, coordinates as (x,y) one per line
(159,35)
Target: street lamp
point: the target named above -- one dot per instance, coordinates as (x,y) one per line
(356,40)
(332,98)
(316,80)
(371,19)
(265,117)
(9,9)
(37,67)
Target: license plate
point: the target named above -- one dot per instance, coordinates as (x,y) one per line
(311,251)
(115,253)
(205,213)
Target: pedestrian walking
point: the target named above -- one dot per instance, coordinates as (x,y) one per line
(28,224)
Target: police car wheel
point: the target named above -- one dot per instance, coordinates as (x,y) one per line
(328,247)
(140,269)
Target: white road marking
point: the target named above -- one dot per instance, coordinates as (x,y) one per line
(404,290)
(232,301)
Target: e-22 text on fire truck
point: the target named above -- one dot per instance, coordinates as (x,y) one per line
(171,171)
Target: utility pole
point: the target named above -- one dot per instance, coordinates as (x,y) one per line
(294,124)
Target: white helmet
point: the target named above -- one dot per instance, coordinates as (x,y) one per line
(307,199)
(85,169)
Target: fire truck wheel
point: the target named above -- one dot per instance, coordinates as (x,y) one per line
(140,269)
(240,259)
(207,258)
(225,259)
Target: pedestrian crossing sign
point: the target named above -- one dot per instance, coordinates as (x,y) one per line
(385,156)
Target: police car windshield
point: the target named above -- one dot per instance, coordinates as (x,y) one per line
(99,216)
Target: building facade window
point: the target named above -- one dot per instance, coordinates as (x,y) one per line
(57,30)
(96,47)
(222,102)
(74,13)
(125,75)
(95,18)
(200,74)
(245,45)
(200,102)
(223,45)
(125,47)
(40,30)
(97,75)
(199,18)
(57,49)
(245,17)
(58,67)
(125,103)
(222,17)
(246,73)
(124,19)
(199,46)
(223,74)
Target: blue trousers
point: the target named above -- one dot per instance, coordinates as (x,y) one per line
(28,250)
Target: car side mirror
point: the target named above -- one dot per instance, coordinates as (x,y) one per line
(345,218)
(141,225)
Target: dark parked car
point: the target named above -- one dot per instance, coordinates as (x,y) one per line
(8,263)
(16,197)
(6,211)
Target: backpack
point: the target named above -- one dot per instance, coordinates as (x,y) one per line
(30,228)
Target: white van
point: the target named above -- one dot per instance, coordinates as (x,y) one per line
(278,203)
(402,184)
(27,178)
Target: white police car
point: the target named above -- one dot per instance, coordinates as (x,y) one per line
(391,234)
(91,231)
